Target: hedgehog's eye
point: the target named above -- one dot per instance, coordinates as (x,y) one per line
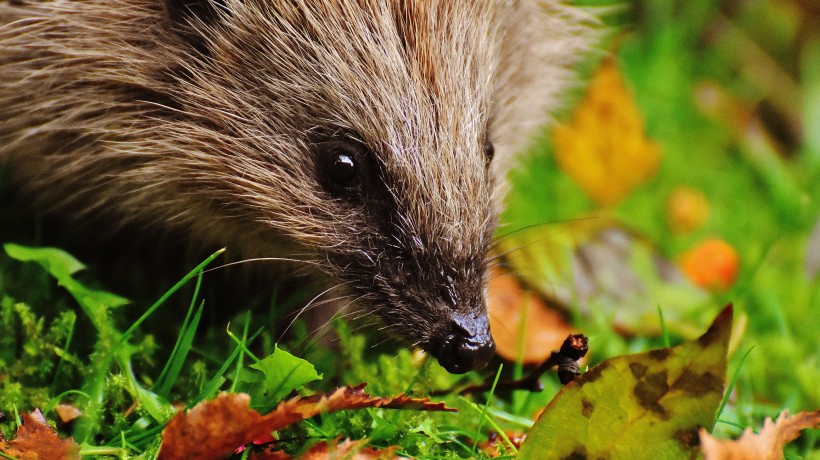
(339,168)
(342,169)
(489,151)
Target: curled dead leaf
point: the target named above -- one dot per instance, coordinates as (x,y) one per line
(215,429)
(36,440)
(768,445)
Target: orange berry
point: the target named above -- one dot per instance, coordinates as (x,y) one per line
(712,265)
(686,210)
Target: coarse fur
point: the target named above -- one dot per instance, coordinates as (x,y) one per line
(213,117)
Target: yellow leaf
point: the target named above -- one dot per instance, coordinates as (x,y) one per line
(645,406)
(604,148)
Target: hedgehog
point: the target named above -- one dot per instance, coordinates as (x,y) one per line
(368,138)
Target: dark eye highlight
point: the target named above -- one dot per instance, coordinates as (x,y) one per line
(340,168)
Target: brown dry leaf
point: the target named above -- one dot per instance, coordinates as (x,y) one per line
(36,440)
(348,450)
(510,308)
(601,268)
(269,454)
(215,429)
(768,445)
(604,148)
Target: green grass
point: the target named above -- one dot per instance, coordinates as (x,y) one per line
(67,340)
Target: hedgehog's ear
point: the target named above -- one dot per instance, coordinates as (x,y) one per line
(542,41)
(187,14)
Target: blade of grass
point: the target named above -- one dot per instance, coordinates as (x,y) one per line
(484,411)
(730,387)
(492,423)
(242,342)
(240,360)
(173,367)
(67,344)
(212,385)
(664,331)
(734,424)
(185,325)
(127,334)
(142,438)
(155,405)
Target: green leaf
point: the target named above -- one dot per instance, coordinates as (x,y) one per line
(281,373)
(57,262)
(62,265)
(648,405)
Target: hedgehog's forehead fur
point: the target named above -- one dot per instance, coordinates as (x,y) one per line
(392,75)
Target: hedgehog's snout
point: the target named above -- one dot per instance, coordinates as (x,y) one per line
(464,344)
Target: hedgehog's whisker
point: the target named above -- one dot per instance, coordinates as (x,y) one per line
(500,238)
(323,330)
(308,307)
(264,259)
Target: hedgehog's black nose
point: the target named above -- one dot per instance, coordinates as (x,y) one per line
(466,346)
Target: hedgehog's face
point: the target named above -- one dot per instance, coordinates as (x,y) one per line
(403,167)
(416,230)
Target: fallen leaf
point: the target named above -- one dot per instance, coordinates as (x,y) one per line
(347,449)
(645,406)
(36,440)
(215,429)
(768,445)
(604,148)
(269,454)
(712,264)
(522,324)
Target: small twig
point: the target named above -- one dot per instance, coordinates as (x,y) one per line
(574,348)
